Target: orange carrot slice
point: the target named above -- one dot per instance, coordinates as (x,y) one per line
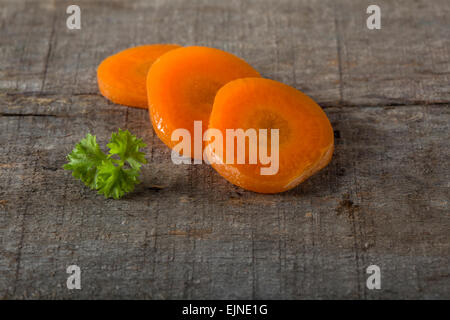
(305,134)
(122,77)
(181,87)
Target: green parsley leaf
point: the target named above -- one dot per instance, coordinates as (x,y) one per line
(85,159)
(102,172)
(127,146)
(114,181)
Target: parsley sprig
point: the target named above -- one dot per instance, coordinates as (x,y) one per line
(112,174)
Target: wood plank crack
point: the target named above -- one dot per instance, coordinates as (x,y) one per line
(339,55)
(49,51)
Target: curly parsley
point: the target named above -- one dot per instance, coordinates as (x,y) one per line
(112,174)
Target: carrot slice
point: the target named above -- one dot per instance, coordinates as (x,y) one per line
(122,77)
(306,137)
(181,87)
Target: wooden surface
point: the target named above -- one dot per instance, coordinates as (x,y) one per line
(187,233)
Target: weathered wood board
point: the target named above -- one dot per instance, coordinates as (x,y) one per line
(186,232)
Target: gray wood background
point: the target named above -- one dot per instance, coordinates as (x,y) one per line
(187,233)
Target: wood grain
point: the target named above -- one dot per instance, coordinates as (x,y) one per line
(185,232)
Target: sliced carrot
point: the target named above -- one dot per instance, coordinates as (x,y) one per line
(181,87)
(305,134)
(122,77)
